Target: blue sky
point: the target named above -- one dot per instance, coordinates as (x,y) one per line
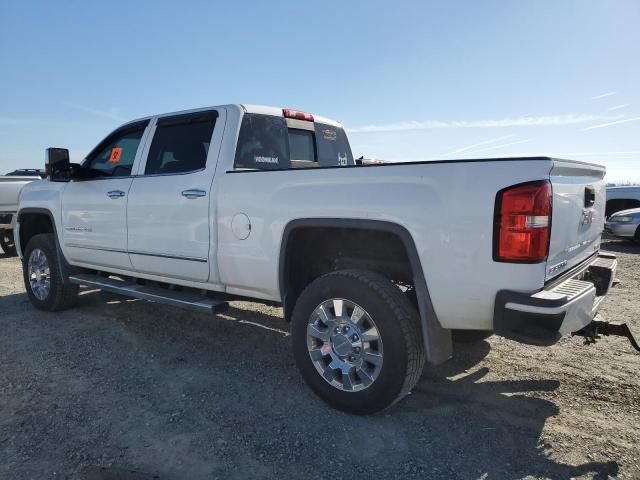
(410,80)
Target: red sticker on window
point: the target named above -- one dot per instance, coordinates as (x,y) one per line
(116,153)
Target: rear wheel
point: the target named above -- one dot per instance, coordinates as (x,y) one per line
(357,341)
(44,281)
(7,242)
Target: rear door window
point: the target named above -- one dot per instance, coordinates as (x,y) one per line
(181,143)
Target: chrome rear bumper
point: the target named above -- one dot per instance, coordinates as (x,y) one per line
(560,308)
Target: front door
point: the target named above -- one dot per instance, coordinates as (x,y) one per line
(170,208)
(94,208)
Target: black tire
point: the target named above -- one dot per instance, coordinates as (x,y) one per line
(398,324)
(8,243)
(637,235)
(62,294)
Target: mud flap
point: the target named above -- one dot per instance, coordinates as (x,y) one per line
(596,329)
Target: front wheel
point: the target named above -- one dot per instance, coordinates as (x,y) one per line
(7,242)
(357,341)
(46,286)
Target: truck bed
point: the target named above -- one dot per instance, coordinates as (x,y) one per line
(447,206)
(10,187)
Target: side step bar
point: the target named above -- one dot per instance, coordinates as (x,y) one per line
(188,300)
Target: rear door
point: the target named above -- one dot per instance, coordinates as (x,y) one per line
(94,208)
(579,197)
(170,209)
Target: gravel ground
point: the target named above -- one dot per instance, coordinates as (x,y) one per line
(117,386)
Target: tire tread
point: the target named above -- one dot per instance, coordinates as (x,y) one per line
(65,294)
(406,315)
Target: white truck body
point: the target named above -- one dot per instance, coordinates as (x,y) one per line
(230,236)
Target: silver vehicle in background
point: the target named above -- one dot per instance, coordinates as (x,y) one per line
(622,198)
(624,224)
(10,186)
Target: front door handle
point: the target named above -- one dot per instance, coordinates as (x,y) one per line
(193,193)
(115,194)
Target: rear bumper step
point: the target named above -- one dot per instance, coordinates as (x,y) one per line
(182,299)
(561,308)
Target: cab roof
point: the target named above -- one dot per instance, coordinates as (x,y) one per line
(277,112)
(245,108)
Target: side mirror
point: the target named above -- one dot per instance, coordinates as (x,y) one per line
(57,166)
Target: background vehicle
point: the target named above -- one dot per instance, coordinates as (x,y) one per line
(27,172)
(375,265)
(10,186)
(624,224)
(622,198)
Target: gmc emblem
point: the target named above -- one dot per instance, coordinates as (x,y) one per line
(588,215)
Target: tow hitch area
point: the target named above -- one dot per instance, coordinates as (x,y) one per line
(597,328)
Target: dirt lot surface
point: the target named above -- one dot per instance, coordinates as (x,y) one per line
(115,387)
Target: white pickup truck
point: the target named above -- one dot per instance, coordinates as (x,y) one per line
(375,265)
(10,186)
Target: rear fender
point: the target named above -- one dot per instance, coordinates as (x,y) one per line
(437,340)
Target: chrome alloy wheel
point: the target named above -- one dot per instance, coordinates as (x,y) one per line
(39,274)
(344,345)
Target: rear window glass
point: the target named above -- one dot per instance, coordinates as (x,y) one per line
(262,143)
(265,142)
(301,145)
(333,146)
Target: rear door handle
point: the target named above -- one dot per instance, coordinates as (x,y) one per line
(193,193)
(115,194)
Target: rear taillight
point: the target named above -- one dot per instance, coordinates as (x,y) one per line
(288,113)
(522,226)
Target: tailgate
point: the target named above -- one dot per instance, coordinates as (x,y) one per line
(579,197)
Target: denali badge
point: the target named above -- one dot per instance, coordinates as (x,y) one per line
(78,229)
(557,267)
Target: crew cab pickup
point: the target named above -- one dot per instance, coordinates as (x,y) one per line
(375,265)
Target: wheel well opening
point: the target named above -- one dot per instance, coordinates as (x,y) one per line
(315,251)
(32,224)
